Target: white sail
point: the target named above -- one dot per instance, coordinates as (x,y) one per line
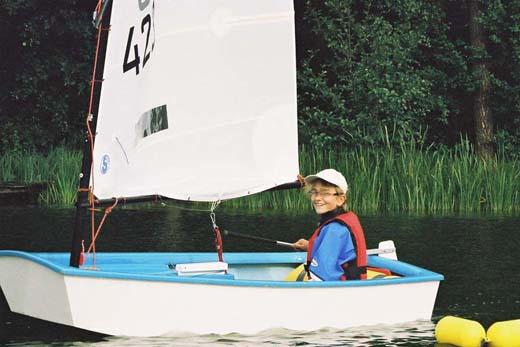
(198,100)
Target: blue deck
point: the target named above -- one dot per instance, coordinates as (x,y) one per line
(154,267)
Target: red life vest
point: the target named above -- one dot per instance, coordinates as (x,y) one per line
(351,221)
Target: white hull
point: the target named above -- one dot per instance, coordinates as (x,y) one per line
(147,307)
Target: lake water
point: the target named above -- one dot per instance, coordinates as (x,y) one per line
(478,255)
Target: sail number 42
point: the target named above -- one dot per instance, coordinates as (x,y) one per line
(132,58)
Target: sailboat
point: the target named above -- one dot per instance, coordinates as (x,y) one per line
(196,101)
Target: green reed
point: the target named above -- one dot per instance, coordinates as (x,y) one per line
(59,169)
(409,178)
(405,178)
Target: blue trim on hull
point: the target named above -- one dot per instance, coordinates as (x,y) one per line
(153,267)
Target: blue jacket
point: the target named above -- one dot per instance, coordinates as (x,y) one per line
(332,248)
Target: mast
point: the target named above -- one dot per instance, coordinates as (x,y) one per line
(102,23)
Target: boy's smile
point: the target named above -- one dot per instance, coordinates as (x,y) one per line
(325,198)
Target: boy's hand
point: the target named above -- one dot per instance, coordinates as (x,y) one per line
(301,245)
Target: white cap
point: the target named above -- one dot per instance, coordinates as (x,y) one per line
(332,176)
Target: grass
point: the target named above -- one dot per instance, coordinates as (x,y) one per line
(407,178)
(59,168)
(410,178)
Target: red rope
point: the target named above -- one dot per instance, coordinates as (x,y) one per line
(218,243)
(94,232)
(93,242)
(94,70)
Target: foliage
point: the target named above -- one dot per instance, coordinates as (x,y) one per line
(361,64)
(370,63)
(502,22)
(46,59)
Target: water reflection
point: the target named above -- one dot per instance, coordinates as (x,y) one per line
(418,333)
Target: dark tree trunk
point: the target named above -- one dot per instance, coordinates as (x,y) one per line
(482,116)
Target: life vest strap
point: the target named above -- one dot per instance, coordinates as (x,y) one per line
(354,272)
(307,267)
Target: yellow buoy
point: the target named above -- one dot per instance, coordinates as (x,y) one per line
(504,334)
(460,332)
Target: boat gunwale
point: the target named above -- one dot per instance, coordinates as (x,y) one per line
(412,273)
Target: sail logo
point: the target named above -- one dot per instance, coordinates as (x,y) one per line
(105,164)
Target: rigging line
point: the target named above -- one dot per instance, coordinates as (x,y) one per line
(91,145)
(99,12)
(124,152)
(89,119)
(108,210)
(94,70)
(186,208)
(90,115)
(92,246)
(214,205)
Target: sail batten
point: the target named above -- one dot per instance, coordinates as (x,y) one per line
(198,100)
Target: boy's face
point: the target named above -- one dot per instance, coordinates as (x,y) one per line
(324,198)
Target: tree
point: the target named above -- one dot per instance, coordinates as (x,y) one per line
(404,64)
(46,62)
(372,63)
(501,22)
(483,118)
